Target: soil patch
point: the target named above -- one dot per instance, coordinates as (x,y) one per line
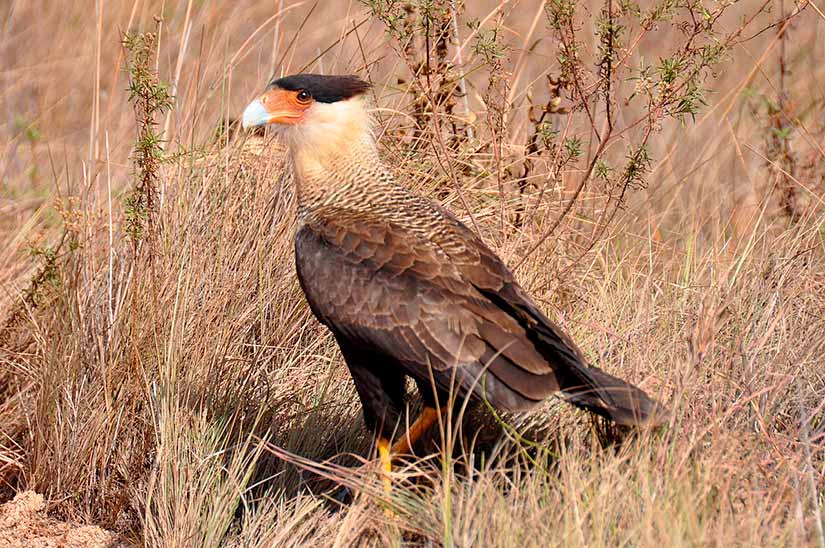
(24,524)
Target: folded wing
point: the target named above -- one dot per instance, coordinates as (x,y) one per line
(452,311)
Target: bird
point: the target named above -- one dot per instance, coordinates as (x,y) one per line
(407,289)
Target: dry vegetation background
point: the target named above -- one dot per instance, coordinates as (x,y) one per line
(137,381)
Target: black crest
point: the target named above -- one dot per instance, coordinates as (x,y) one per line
(324,88)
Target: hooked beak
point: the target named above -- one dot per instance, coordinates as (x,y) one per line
(273,107)
(255,115)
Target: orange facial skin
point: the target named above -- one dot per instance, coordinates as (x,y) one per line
(284,106)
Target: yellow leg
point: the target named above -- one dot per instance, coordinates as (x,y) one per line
(424,422)
(386,463)
(386,451)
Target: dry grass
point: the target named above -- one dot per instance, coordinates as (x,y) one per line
(183,395)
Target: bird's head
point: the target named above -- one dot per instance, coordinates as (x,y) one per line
(312,110)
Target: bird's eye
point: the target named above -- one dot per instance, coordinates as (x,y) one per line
(303,96)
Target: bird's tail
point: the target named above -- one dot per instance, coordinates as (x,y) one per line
(587,387)
(594,390)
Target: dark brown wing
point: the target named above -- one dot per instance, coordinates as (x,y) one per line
(452,309)
(390,290)
(582,385)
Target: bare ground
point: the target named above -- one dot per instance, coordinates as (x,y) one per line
(25,524)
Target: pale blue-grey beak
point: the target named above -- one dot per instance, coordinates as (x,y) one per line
(255,114)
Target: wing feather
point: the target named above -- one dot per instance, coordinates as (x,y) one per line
(402,296)
(447,307)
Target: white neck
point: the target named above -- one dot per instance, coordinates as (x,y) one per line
(333,152)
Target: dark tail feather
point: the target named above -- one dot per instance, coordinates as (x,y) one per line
(586,387)
(592,389)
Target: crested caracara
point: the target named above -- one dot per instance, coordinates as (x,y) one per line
(406,288)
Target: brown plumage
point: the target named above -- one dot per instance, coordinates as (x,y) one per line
(405,287)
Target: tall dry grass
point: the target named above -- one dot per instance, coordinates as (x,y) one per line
(182,395)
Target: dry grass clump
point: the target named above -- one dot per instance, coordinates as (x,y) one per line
(171,385)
